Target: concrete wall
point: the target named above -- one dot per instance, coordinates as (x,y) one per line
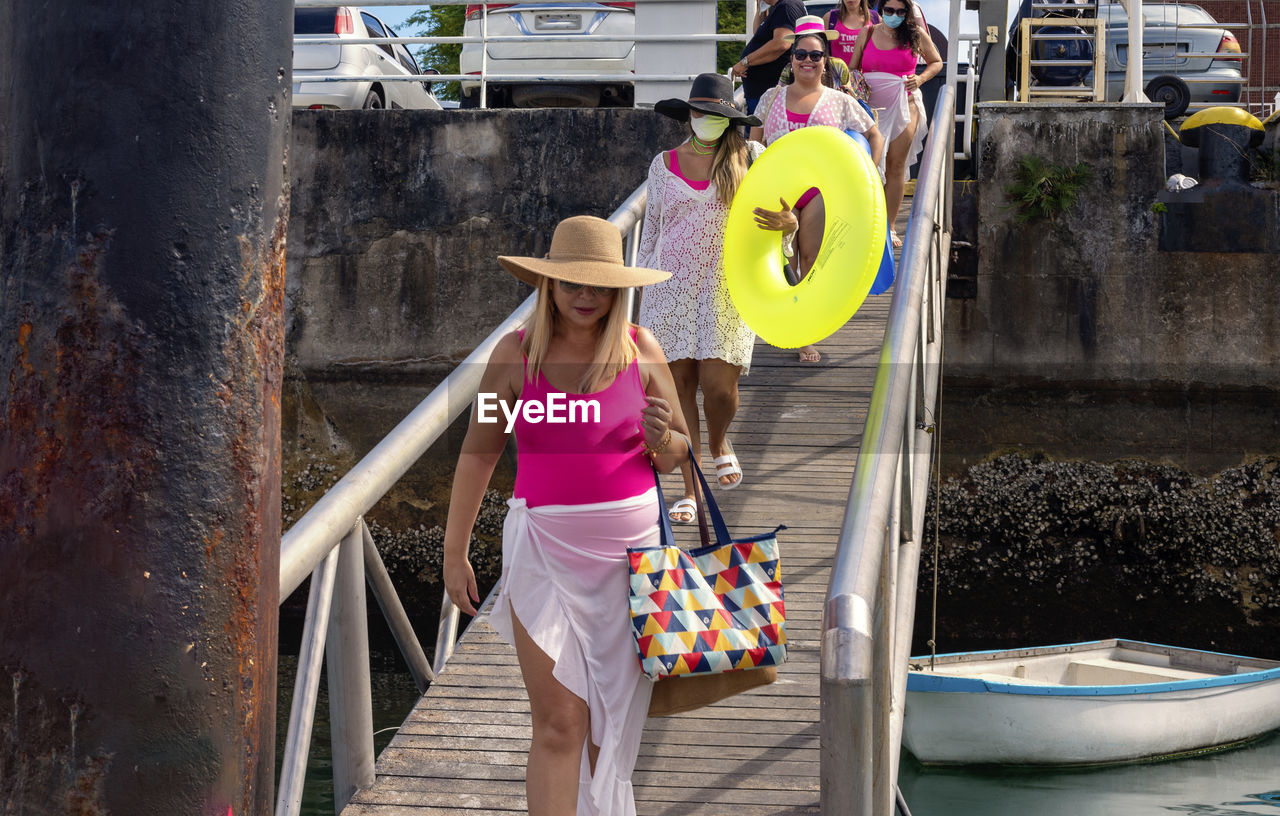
(397,218)
(1085,340)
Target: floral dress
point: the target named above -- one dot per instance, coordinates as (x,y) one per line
(690,313)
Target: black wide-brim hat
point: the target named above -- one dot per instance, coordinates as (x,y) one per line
(711,94)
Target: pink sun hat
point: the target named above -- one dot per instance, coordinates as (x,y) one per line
(810,25)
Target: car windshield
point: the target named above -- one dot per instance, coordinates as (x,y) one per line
(314,20)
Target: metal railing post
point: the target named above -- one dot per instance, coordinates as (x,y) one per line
(883,612)
(866,627)
(389,602)
(350,695)
(306,687)
(847,707)
(446,633)
(1133,89)
(484,56)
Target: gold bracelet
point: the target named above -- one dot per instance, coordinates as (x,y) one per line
(653,452)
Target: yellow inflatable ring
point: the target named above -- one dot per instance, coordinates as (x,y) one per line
(789,316)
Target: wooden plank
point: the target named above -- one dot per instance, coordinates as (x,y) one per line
(462,750)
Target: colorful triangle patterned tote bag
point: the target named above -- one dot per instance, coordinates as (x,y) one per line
(718,608)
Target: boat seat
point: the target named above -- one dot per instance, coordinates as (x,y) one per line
(1104,671)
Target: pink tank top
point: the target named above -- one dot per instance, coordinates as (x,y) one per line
(843,47)
(795,121)
(592,454)
(900,61)
(675,168)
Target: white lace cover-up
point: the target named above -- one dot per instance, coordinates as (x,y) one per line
(564,573)
(690,313)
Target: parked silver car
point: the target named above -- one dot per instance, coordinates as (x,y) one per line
(610,65)
(355,59)
(1188,58)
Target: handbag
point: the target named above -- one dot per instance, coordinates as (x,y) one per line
(711,622)
(861,90)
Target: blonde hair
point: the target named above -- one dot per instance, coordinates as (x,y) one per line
(615,350)
(729,165)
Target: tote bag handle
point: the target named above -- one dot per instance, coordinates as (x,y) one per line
(717,520)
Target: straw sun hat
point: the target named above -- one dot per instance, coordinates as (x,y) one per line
(587,250)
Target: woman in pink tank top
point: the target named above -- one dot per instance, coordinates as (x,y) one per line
(594,410)
(848,19)
(887,53)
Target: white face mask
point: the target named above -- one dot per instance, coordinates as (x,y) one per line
(708,128)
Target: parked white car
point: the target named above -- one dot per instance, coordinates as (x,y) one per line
(610,65)
(356,59)
(1173,34)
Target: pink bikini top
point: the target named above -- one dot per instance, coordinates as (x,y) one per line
(675,168)
(900,61)
(581,448)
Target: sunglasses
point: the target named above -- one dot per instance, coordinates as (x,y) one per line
(573,288)
(893,12)
(813,56)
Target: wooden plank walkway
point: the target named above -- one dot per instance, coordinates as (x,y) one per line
(462,750)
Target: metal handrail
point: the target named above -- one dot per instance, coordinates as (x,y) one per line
(870,603)
(332,544)
(958,40)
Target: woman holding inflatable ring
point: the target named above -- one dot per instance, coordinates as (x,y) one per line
(887,54)
(707,344)
(806,101)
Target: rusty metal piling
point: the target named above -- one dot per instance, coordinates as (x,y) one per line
(142,182)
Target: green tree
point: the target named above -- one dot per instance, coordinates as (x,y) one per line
(731,18)
(439,21)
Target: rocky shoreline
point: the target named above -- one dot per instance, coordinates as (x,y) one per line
(1031,551)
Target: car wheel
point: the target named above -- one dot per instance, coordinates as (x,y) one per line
(373,101)
(471,100)
(1170,92)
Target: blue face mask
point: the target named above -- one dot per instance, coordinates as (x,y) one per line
(892,20)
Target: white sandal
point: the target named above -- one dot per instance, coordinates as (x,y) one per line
(728,465)
(685,505)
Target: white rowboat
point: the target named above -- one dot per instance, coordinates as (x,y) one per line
(1096,703)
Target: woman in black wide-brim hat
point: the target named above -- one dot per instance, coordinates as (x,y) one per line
(706,343)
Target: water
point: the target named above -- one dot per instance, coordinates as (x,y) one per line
(394,695)
(1241,782)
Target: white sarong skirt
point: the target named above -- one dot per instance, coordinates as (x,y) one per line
(564,575)
(889,96)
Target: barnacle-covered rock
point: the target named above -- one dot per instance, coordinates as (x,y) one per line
(416,555)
